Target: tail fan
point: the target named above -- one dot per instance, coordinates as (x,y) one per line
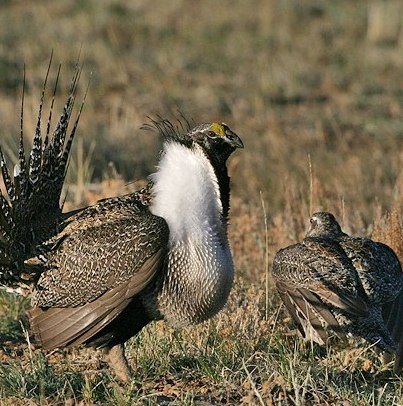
(30,204)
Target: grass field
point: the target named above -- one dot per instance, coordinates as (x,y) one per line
(315,90)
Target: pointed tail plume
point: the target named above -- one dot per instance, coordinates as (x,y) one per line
(30,205)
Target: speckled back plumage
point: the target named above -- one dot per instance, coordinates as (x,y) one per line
(341,282)
(377,266)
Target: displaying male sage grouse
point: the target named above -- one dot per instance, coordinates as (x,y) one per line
(346,284)
(98,275)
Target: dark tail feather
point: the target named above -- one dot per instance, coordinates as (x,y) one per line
(6,223)
(32,194)
(393,316)
(48,163)
(313,327)
(323,311)
(20,170)
(398,366)
(292,310)
(309,313)
(8,183)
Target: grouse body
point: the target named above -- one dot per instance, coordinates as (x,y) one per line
(98,275)
(349,285)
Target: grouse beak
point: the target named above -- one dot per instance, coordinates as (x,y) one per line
(233,139)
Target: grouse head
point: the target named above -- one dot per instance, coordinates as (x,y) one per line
(216,140)
(324,223)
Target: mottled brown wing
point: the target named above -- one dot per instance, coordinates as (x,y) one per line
(309,313)
(313,278)
(96,253)
(322,269)
(101,261)
(348,303)
(65,326)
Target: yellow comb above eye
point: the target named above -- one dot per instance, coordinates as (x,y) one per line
(218,128)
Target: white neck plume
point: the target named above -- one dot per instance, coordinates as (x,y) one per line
(186,193)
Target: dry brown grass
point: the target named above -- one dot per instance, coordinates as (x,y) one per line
(294,79)
(389,229)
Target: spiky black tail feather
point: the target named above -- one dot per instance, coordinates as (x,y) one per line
(30,206)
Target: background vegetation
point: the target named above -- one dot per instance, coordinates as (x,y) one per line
(315,90)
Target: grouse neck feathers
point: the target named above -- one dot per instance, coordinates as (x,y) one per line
(331,281)
(98,275)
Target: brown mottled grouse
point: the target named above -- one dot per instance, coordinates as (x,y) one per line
(331,281)
(98,275)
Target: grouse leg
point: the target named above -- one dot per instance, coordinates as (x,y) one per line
(115,356)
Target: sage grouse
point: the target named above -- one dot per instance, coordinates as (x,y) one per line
(98,275)
(349,285)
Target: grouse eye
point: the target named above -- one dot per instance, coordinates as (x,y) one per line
(211,134)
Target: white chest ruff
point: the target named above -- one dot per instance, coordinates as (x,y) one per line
(199,272)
